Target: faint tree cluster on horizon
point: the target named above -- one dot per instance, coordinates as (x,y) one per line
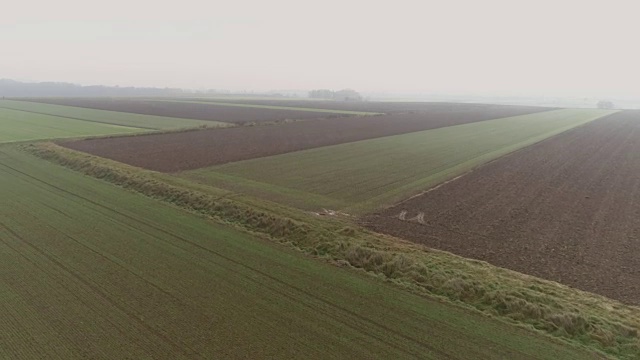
(340,95)
(605,104)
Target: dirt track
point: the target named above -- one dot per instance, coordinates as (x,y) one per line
(197,149)
(210,112)
(566,209)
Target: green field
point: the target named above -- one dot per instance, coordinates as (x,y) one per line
(362,176)
(23,126)
(149,122)
(89,270)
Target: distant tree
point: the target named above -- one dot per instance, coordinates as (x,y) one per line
(347,95)
(321,94)
(605,104)
(12,88)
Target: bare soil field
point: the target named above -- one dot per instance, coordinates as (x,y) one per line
(566,209)
(389,107)
(187,110)
(196,149)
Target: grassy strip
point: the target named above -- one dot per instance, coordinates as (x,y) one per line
(283,195)
(579,317)
(273,107)
(20,126)
(107,116)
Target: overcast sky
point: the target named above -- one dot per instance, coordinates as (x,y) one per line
(556,47)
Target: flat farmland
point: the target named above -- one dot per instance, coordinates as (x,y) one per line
(198,149)
(190,110)
(385,107)
(362,176)
(566,209)
(269,106)
(89,270)
(107,117)
(24,126)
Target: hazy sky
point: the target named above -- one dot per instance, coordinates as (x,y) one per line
(524,47)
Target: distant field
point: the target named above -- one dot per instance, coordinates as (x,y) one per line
(197,149)
(190,110)
(565,209)
(387,107)
(22,126)
(361,176)
(267,105)
(89,270)
(107,117)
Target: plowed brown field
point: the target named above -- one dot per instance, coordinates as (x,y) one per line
(187,110)
(566,209)
(196,149)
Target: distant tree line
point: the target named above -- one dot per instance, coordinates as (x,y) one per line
(12,88)
(340,95)
(605,104)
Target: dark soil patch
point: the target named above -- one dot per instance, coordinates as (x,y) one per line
(566,209)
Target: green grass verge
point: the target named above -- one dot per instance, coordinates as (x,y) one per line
(362,176)
(272,107)
(108,117)
(580,318)
(90,270)
(24,126)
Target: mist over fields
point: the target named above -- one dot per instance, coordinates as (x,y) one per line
(488,51)
(12,88)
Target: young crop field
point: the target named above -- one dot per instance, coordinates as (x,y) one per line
(107,117)
(191,110)
(566,209)
(196,149)
(18,126)
(89,270)
(361,176)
